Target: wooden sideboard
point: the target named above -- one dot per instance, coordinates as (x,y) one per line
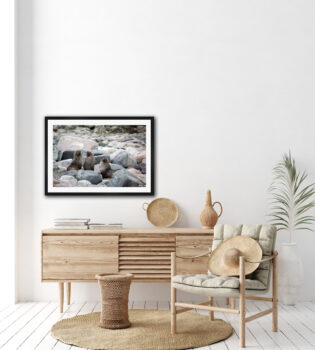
(78,255)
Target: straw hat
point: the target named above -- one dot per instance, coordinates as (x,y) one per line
(224,260)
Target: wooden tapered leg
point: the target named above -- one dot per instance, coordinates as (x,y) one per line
(275,294)
(173,311)
(227,301)
(61,296)
(173,295)
(233,303)
(242,302)
(68,292)
(211,313)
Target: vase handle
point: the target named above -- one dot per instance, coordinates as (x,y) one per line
(220,207)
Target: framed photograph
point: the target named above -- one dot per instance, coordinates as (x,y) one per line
(99,155)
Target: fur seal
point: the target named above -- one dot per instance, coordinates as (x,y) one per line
(76,163)
(89,161)
(105,169)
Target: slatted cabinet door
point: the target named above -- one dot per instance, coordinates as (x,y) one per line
(192,246)
(78,257)
(147,258)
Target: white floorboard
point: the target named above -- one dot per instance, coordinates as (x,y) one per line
(26,326)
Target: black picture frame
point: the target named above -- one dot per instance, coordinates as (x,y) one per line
(150,120)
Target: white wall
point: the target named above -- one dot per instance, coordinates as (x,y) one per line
(231,84)
(7,145)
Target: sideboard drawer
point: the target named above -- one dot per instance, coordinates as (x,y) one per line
(192,246)
(78,257)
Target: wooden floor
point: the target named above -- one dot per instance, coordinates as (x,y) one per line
(27,325)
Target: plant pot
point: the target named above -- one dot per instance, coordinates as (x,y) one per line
(290,274)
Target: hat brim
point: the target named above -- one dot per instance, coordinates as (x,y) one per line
(248,247)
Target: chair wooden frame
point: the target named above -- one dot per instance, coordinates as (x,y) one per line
(208,305)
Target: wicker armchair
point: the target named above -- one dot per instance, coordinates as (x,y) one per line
(251,287)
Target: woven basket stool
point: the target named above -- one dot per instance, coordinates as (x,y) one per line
(114,293)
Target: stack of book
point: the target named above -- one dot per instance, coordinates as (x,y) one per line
(95,226)
(71,224)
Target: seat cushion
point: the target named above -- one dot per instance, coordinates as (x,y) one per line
(212,281)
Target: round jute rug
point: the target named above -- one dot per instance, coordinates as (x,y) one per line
(150,329)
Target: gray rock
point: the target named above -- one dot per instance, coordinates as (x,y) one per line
(97,152)
(67,155)
(59,172)
(84,183)
(67,181)
(134,171)
(115,166)
(131,150)
(103,183)
(106,150)
(123,178)
(139,156)
(114,154)
(137,173)
(92,176)
(100,129)
(63,163)
(73,143)
(57,154)
(142,177)
(125,159)
(97,168)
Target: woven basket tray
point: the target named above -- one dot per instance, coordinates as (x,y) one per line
(161,212)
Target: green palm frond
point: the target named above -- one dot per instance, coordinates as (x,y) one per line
(291,198)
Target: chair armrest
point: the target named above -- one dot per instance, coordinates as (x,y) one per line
(271,257)
(193,257)
(174,256)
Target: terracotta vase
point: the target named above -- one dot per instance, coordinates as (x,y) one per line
(209,217)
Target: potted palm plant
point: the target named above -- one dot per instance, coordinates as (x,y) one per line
(291,199)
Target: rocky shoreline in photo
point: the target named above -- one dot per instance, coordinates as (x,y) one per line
(123,146)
